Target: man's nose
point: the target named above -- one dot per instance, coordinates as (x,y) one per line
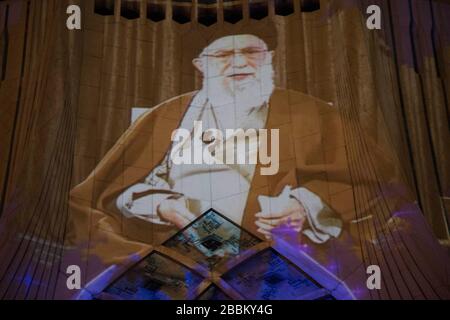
(239,60)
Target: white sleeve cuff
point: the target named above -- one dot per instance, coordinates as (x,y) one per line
(145,208)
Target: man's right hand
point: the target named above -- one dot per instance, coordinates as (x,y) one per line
(175,212)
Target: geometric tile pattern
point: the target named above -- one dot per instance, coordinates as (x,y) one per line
(211,241)
(269,276)
(213,293)
(156,278)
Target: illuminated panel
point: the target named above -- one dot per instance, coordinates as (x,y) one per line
(156,278)
(269,276)
(213,293)
(211,239)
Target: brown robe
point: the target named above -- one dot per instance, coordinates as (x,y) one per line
(313,155)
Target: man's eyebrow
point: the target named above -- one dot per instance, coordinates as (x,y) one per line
(219,51)
(254,47)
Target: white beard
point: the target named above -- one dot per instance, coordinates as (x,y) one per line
(245,95)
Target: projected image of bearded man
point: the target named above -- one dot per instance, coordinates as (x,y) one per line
(158,184)
(237,87)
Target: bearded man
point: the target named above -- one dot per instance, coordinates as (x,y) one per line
(236,94)
(127,202)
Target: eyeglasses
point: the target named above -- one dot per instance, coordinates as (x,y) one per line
(249,53)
